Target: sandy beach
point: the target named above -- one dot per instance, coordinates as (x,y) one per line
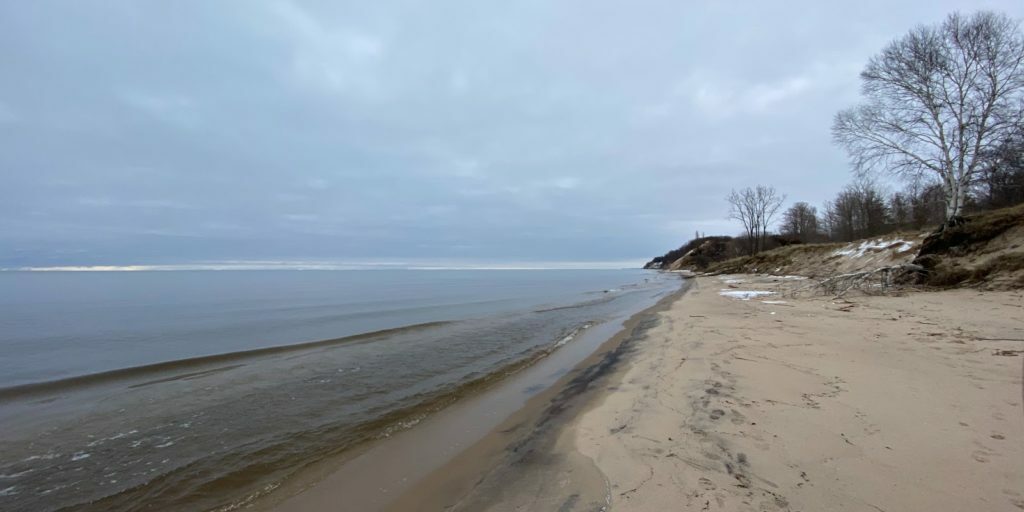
(773,403)
(870,403)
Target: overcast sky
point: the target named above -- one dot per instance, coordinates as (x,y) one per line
(139,132)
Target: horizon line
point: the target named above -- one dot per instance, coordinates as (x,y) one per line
(328,265)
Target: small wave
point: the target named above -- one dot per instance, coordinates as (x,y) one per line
(16,475)
(114,437)
(606,298)
(45,456)
(26,390)
(572,335)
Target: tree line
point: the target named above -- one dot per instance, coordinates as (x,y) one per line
(943,112)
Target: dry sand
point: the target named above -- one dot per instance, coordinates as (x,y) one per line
(871,403)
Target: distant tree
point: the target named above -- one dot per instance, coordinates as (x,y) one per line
(858,211)
(927,204)
(900,210)
(939,100)
(755,208)
(801,222)
(743,208)
(840,217)
(873,213)
(1001,182)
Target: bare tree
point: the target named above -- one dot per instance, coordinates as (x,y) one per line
(755,208)
(769,201)
(743,208)
(801,221)
(899,209)
(1001,183)
(938,102)
(858,211)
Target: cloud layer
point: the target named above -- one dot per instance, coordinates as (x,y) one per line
(202,131)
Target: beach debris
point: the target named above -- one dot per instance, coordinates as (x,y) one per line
(744,294)
(879,280)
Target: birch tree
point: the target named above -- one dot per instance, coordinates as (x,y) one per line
(938,102)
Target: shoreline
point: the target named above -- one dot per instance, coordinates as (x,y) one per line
(471,434)
(513,457)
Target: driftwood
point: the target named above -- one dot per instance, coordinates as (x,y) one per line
(879,280)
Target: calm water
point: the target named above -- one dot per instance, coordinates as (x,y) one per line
(123,389)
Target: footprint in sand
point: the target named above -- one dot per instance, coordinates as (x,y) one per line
(717,413)
(737,418)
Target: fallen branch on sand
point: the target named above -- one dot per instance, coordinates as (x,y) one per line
(879,280)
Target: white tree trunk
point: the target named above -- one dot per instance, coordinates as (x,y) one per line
(956,194)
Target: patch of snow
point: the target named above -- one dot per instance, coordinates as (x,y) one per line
(879,244)
(744,294)
(773,302)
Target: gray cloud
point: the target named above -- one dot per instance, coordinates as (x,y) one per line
(208,131)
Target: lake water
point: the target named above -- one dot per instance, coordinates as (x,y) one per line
(196,390)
